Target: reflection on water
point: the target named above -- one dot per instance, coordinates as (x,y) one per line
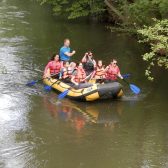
(81,115)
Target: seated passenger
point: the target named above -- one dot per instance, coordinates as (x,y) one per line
(64,65)
(99,73)
(113,71)
(67,72)
(53,67)
(72,67)
(89,63)
(65,76)
(79,76)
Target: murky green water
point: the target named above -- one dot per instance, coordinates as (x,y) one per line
(38,132)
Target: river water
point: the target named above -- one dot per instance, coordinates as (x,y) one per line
(37,131)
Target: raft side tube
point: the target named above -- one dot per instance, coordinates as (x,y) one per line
(110,90)
(91,93)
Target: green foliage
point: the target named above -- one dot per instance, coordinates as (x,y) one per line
(133,11)
(140,12)
(157,37)
(85,8)
(76,9)
(58,5)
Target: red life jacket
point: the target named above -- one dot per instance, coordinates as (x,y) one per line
(112,72)
(54,67)
(80,76)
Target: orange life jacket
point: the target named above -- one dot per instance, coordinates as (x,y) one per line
(112,72)
(80,75)
(100,73)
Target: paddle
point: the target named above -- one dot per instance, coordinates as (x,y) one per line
(33,82)
(125,76)
(135,89)
(64,94)
(90,75)
(36,81)
(49,87)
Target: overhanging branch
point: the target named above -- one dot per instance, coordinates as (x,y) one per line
(113,9)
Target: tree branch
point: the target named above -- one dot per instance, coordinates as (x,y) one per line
(113,9)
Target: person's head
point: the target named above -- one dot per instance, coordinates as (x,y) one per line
(99,63)
(80,65)
(72,65)
(90,54)
(114,62)
(69,70)
(65,64)
(55,57)
(66,42)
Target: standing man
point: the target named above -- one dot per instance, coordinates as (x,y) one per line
(65,53)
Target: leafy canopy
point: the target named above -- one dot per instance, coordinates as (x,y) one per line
(133,11)
(76,9)
(157,37)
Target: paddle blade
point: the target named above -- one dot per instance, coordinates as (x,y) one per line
(125,76)
(47,88)
(31,83)
(135,89)
(63,94)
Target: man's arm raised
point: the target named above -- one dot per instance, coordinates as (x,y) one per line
(70,54)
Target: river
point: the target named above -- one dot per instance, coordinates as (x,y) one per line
(37,131)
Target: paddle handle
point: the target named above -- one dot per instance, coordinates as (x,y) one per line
(48,77)
(126,81)
(89,76)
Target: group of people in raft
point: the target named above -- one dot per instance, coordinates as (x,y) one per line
(60,67)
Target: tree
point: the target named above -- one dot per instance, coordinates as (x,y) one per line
(157,38)
(129,12)
(76,9)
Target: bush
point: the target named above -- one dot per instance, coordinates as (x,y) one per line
(157,38)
